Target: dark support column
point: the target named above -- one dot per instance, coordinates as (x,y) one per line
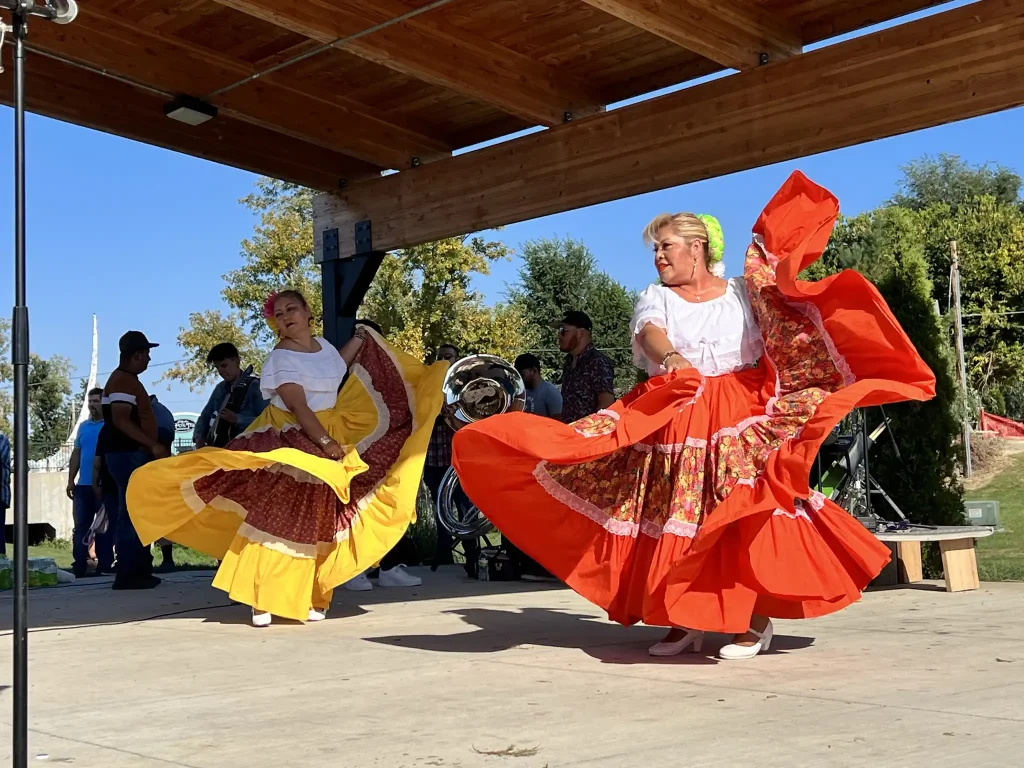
(346,281)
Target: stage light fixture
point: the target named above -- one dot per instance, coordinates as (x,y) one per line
(189,110)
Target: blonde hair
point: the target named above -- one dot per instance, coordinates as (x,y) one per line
(690,226)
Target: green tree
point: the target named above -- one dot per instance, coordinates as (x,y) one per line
(6,374)
(949,179)
(561,274)
(278,255)
(49,404)
(990,243)
(421,296)
(887,246)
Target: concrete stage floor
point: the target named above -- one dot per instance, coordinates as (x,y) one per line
(459,673)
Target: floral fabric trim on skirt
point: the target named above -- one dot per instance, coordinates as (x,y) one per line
(288,523)
(687,502)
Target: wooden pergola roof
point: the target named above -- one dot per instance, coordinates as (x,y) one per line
(333,93)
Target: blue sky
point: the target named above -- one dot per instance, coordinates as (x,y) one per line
(106,214)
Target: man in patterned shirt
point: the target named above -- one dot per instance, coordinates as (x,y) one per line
(588,378)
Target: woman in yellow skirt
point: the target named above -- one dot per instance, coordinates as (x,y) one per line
(319,488)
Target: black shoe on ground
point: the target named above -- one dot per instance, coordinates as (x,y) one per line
(166,567)
(146,582)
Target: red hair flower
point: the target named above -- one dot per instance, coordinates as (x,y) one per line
(268,306)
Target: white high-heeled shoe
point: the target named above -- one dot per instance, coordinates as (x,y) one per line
(261,619)
(316,614)
(734,652)
(693,639)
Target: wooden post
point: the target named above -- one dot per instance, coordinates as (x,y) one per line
(910,568)
(960,565)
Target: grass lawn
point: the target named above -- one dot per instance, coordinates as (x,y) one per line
(1001,556)
(60,551)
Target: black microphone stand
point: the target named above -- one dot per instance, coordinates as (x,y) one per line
(20,11)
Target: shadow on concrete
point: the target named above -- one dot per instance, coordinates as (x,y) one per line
(91,601)
(503,630)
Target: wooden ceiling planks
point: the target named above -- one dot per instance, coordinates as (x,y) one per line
(386,112)
(274,102)
(422,48)
(71,94)
(732,33)
(957,64)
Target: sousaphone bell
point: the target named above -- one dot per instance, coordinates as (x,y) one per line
(475,388)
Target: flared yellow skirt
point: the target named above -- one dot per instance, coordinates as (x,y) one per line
(288,523)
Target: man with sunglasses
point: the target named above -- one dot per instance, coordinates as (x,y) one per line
(588,378)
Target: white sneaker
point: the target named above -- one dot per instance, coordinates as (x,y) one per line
(398,576)
(262,619)
(360,583)
(315,614)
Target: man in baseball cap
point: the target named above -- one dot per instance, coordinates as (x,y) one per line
(128,414)
(135,341)
(588,378)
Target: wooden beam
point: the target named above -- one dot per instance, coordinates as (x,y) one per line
(732,33)
(435,53)
(175,66)
(958,64)
(76,96)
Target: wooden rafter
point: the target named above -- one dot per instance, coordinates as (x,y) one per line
(431,51)
(954,65)
(174,66)
(76,96)
(730,32)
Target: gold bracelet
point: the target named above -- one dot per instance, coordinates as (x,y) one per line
(667,356)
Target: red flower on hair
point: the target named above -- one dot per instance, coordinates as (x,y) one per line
(268,306)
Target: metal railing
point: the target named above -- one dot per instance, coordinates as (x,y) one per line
(57,456)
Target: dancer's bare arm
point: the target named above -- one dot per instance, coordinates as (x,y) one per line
(655,344)
(350,348)
(294,398)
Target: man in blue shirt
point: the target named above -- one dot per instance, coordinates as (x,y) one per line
(5,489)
(225,358)
(80,489)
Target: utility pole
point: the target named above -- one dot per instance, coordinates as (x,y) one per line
(954,284)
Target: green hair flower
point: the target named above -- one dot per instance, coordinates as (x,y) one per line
(716,238)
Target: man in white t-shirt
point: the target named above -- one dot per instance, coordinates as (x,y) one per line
(542,397)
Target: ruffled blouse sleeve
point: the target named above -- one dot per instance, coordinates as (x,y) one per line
(281,368)
(649,310)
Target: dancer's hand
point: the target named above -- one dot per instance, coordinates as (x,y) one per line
(334,450)
(676,362)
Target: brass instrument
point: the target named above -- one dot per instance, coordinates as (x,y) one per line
(475,388)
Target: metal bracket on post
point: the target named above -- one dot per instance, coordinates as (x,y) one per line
(345,281)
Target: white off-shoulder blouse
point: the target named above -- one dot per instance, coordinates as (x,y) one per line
(318,373)
(717,337)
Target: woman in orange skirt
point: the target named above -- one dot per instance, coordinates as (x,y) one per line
(687,504)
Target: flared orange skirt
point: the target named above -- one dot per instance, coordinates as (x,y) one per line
(687,502)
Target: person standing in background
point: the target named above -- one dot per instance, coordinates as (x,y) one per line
(542,397)
(133,442)
(80,490)
(105,490)
(588,378)
(225,359)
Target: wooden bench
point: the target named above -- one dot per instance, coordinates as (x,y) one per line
(959,563)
